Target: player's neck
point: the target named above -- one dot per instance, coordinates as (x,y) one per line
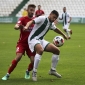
(30,17)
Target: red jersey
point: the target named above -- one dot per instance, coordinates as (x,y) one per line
(24,34)
(39,12)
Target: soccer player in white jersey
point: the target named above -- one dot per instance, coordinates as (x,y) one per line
(66,22)
(38,44)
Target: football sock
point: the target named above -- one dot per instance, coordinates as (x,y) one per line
(30,67)
(55,59)
(67,32)
(36,62)
(13,65)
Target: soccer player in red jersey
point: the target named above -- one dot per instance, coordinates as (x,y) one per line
(22,44)
(39,12)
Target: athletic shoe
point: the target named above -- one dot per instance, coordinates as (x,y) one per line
(27,76)
(5,77)
(53,72)
(70,31)
(34,76)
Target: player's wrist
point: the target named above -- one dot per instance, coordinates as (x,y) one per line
(21,26)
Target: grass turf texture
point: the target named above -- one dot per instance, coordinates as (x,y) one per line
(71,65)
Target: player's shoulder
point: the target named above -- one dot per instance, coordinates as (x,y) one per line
(42,17)
(21,18)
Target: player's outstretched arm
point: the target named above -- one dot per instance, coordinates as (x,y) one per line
(70,20)
(60,32)
(28,24)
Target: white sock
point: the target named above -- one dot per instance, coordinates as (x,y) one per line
(55,59)
(67,32)
(36,62)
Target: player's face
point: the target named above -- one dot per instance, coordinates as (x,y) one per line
(39,7)
(31,11)
(64,9)
(52,17)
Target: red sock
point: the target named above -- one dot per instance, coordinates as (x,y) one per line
(30,67)
(12,67)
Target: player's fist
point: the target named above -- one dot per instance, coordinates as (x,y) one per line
(25,28)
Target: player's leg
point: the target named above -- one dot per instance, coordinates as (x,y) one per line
(67,30)
(12,66)
(55,58)
(30,66)
(39,51)
(19,53)
(35,45)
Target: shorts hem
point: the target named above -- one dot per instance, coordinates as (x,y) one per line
(46,46)
(35,45)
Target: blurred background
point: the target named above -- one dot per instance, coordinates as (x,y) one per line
(11,10)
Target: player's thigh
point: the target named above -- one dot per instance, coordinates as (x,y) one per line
(35,45)
(52,48)
(20,50)
(30,55)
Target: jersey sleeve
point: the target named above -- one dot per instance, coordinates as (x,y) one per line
(53,27)
(20,21)
(43,12)
(39,19)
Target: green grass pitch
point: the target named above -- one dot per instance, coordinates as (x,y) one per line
(71,64)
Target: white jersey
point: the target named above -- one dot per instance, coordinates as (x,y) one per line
(41,27)
(65,16)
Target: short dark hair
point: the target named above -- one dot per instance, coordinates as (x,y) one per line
(64,7)
(31,5)
(55,12)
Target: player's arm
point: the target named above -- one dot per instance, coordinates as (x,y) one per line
(70,20)
(34,21)
(57,30)
(29,24)
(18,26)
(61,18)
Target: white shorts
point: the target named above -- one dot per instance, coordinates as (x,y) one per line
(34,42)
(66,26)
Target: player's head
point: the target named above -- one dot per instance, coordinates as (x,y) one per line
(64,9)
(31,10)
(53,16)
(39,7)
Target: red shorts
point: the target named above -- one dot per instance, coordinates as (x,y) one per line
(22,48)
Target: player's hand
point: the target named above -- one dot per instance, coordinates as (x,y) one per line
(65,37)
(68,21)
(25,28)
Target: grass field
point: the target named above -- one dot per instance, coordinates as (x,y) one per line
(71,65)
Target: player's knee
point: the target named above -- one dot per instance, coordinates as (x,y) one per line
(18,58)
(40,51)
(57,51)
